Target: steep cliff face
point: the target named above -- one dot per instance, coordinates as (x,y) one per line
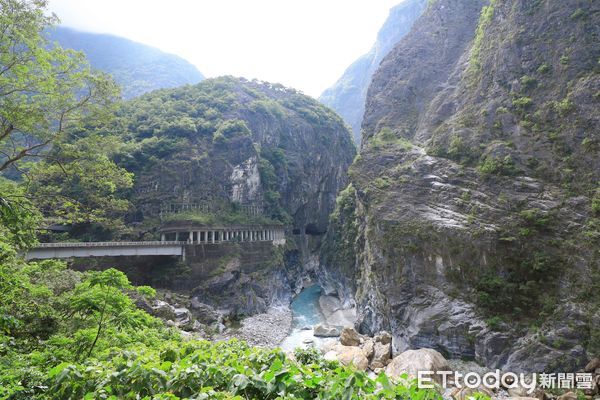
(213,152)
(138,68)
(347,96)
(476,190)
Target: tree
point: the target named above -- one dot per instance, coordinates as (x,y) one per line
(45,91)
(102,298)
(81,185)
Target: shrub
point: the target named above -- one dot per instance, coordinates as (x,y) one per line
(522,103)
(493,166)
(386,138)
(543,69)
(528,81)
(596,202)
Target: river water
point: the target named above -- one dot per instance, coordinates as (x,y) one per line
(306,313)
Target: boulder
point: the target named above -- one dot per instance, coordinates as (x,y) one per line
(182,315)
(466,393)
(521,392)
(203,312)
(592,365)
(163,310)
(568,396)
(368,348)
(412,361)
(325,331)
(522,398)
(349,337)
(382,353)
(330,356)
(383,337)
(352,355)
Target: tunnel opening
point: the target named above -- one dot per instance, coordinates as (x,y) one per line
(313,230)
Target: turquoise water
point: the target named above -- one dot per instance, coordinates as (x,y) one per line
(306,312)
(305,308)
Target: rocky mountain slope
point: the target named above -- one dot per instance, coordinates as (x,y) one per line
(347,96)
(226,144)
(475,198)
(138,68)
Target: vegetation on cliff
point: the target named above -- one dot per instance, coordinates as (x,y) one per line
(476,185)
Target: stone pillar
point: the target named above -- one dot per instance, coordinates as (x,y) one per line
(177,236)
(213,236)
(191,237)
(162,237)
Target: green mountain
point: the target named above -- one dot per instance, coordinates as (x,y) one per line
(138,68)
(474,205)
(226,143)
(347,96)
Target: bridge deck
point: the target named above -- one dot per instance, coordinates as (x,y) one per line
(105,249)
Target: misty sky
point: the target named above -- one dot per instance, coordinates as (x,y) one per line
(305,44)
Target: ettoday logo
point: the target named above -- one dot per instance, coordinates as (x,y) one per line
(496,379)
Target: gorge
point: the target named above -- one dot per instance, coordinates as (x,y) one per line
(151,234)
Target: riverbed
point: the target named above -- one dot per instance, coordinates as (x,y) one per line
(292,327)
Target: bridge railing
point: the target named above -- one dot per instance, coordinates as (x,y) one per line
(110,244)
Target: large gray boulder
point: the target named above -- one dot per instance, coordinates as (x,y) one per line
(348,355)
(325,331)
(381,355)
(412,361)
(349,337)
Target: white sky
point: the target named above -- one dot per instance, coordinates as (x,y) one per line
(305,44)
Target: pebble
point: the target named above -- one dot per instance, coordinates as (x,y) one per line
(263,330)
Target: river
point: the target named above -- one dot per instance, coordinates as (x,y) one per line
(307,311)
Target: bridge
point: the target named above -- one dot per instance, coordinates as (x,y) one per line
(184,235)
(105,249)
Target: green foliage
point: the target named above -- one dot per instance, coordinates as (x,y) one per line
(494,166)
(456,150)
(46,90)
(85,187)
(67,335)
(522,104)
(339,246)
(18,216)
(232,216)
(579,13)
(273,164)
(385,138)
(485,19)
(536,218)
(268,106)
(494,323)
(543,69)
(596,201)
(222,370)
(230,129)
(528,82)
(563,107)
